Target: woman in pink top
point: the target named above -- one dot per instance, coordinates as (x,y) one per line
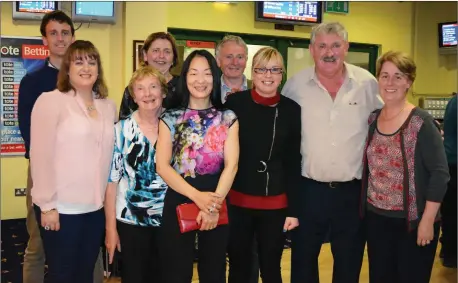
(72,137)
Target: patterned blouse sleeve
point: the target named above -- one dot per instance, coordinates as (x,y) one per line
(229,117)
(169,118)
(117,165)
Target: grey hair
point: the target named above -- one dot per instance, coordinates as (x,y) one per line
(329,28)
(237,39)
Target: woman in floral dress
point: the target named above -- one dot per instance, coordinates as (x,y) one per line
(197,156)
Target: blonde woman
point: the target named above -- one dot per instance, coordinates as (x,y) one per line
(135,193)
(262,197)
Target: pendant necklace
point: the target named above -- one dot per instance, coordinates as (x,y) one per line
(391,118)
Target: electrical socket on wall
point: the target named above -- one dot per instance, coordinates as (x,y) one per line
(19,192)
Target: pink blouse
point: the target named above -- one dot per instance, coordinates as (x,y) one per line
(70,152)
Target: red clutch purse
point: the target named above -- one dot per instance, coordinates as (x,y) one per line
(187,215)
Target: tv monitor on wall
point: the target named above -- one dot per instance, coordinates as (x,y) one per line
(448,37)
(447,34)
(98,12)
(289,12)
(33,10)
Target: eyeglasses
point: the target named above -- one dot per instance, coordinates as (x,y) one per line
(274,70)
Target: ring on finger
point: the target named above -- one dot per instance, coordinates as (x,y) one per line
(210,210)
(46,227)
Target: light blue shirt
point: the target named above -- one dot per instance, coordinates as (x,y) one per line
(226,90)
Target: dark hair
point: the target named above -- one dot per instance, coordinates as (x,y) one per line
(57,16)
(160,35)
(81,49)
(181,97)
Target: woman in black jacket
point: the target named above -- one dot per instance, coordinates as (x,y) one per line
(159,51)
(262,196)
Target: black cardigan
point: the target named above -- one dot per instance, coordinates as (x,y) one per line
(429,164)
(256,132)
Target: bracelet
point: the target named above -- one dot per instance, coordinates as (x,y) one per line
(48,211)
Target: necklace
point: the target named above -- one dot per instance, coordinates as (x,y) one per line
(147,126)
(90,108)
(149,129)
(388,119)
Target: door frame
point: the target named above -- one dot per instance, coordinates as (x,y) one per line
(279,42)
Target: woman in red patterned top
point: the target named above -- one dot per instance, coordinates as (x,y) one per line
(405,178)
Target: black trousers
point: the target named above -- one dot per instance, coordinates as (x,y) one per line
(266,226)
(449,217)
(140,254)
(72,251)
(177,249)
(334,209)
(254,277)
(393,253)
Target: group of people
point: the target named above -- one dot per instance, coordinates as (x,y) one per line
(338,152)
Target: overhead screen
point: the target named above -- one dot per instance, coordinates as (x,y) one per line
(33,10)
(289,12)
(101,12)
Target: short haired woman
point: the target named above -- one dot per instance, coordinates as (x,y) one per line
(135,193)
(404,179)
(262,201)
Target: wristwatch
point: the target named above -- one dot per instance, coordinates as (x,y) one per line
(47,211)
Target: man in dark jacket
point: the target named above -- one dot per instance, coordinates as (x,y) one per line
(58,34)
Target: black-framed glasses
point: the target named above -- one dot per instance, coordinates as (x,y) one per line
(274,70)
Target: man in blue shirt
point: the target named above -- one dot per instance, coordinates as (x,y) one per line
(449,204)
(232,57)
(58,34)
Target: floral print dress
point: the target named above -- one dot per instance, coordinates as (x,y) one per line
(198,138)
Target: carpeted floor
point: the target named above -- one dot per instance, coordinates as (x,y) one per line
(13,244)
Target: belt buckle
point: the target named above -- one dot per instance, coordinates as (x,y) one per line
(332,185)
(264,167)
